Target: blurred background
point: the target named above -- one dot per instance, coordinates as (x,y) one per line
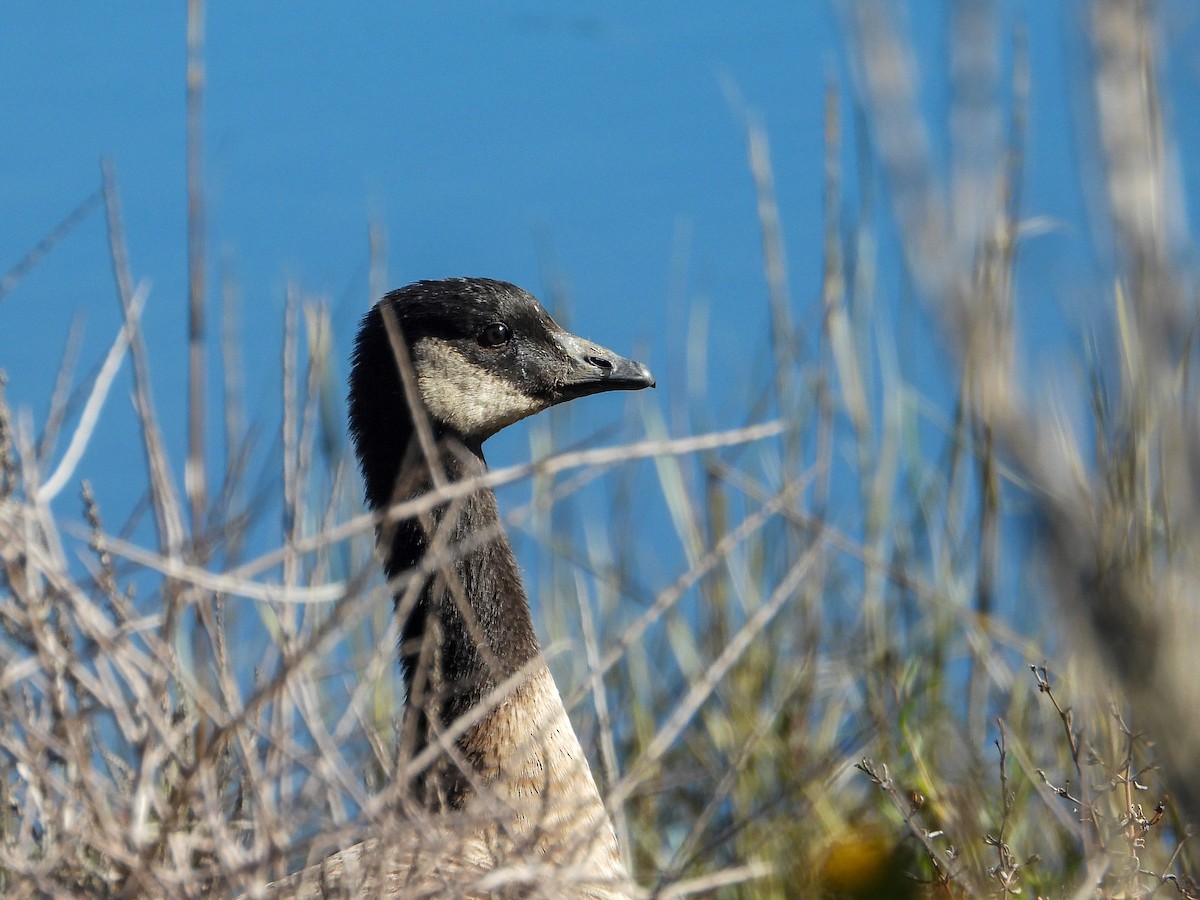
(598,152)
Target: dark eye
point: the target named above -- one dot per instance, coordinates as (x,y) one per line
(495,335)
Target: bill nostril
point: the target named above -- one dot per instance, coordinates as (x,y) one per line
(600,363)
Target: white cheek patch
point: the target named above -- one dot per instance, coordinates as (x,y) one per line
(464,397)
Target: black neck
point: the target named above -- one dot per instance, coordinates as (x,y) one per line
(467,625)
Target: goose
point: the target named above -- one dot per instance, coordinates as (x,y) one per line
(438,368)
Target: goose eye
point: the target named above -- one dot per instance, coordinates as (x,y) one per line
(495,335)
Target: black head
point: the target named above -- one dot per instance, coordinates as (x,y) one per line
(485,354)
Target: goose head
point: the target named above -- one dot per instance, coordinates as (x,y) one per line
(484,354)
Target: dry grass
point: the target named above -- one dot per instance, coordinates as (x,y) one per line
(847,690)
